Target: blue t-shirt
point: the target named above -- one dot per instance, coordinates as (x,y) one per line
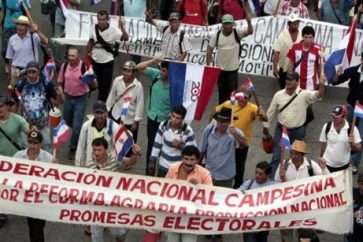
(12,12)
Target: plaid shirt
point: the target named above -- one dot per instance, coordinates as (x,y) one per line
(300,10)
(170,43)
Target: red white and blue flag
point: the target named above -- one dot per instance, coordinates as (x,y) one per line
(123,142)
(125,106)
(236,96)
(19,97)
(60,134)
(192,86)
(94,2)
(285,140)
(49,71)
(248,83)
(358,110)
(89,75)
(341,56)
(254,5)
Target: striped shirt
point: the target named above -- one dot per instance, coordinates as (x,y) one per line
(301,10)
(163,144)
(307,64)
(109,165)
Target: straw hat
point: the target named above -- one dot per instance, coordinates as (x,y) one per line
(21,20)
(299,146)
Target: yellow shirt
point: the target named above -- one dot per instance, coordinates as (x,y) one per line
(244,117)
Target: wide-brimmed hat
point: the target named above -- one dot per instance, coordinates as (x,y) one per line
(21,20)
(224,115)
(299,146)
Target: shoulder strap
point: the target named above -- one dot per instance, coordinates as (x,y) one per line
(327,128)
(181,38)
(310,168)
(65,65)
(238,40)
(251,182)
(350,128)
(286,163)
(125,92)
(340,22)
(46,90)
(165,123)
(165,28)
(184,127)
(33,48)
(83,68)
(209,132)
(10,140)
(218,34)
(151,88)
(102,41)
(288,103)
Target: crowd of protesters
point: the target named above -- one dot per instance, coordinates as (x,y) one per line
(219,157)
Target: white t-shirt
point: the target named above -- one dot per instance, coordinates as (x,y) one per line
(110,35)
(337,152)
(228,50)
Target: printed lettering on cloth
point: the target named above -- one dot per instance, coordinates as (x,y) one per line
(192,86)
(84,196)
(341,56)
(257,49)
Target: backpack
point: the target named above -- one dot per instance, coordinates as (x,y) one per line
(310,168)
(236,37)
(182,33)
(182,8)
(166,122)
(83,70)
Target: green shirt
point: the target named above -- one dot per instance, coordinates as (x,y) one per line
(13,127)
(158,104)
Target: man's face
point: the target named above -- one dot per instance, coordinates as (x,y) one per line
(243,101)
(4,109)
(174,25)
(102,21)
(260,176)
(297,158)
(189,163)
(222,126)
(228,27)
(295,3)
(163,73)
(21,28)
(99,152)
(128,74)
(32,75)
(176,119)
(291,84)
(308,40)
(337,120)
(100,117)
(34,146)
(294,26)
(73,56)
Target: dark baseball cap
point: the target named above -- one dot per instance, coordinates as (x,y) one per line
(174,15)
(35,136)
(32,65)
(4,99)
(100,107)
(339,111)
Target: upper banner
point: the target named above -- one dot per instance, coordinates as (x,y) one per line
(257,49)
(82,196)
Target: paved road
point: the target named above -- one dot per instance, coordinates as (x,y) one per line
(16,230)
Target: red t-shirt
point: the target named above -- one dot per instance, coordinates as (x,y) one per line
(232,7)
(308,64)
(194,11)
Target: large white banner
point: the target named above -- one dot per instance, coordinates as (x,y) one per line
(257,49)
(83,196)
